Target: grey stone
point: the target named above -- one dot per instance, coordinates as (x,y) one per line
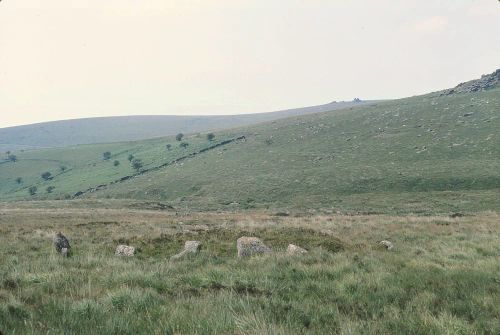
(387,244)
(125,250)
(190,247)
(248,246)
(295,250)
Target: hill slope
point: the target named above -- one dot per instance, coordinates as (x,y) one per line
(427,154)
(130,128)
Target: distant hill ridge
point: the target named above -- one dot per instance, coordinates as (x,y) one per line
(131,128)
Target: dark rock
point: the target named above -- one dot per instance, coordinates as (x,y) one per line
(60,243)
(486,82)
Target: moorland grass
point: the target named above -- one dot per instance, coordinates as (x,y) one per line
(442,277)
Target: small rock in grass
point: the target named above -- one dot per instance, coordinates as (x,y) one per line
(387,244)
(125,250)
(248,246)
(295,250)
(190,247)
(60,243)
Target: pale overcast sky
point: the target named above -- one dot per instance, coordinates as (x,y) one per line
(63,59)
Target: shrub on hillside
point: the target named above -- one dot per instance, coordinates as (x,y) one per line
(106,155)
(130,157)
(12,158)
(50,189)
(46,175)
(179,137)
(62,168)
(184,145)
(19,180)
(32,190)
(116,163)
(169,147)
(137,164)
(210,136)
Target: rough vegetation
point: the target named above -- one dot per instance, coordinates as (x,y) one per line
(441,279)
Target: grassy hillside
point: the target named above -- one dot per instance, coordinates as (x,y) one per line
(78,168)
(421,154)
(128,128)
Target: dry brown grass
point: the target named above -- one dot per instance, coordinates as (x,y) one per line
(125,223)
